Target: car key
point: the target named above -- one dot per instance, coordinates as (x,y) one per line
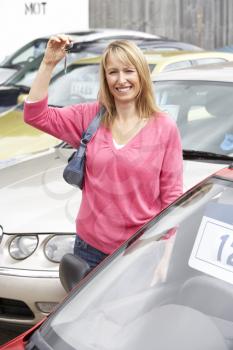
(67,51)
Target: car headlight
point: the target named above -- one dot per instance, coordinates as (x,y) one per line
(22,247)
(59,245)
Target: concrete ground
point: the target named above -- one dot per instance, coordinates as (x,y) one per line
(8,333)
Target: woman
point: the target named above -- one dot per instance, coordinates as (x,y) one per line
(134,160)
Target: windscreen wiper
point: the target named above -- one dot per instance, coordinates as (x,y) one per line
(11,66)
(22,88)
(55,105)
(202,156)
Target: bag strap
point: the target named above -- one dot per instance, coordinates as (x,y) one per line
(92,127)
(88,133)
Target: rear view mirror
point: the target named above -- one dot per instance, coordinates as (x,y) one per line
(71,270)
(21,98)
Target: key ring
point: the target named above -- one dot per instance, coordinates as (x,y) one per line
(65,64)
(67,51)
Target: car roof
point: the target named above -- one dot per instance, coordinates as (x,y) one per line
(165,56)
(151,58)
(145,44)
(168,44)
(102,33)
(222,72)
(89,36)
(175,56)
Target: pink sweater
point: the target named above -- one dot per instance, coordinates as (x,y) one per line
(124,188)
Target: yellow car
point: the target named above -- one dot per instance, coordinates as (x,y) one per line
(165,62)
(18,139)
(80,84)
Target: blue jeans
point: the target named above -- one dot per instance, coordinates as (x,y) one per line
(88,253)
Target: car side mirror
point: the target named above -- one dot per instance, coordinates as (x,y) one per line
(71,270)
(21,98)
(64,153)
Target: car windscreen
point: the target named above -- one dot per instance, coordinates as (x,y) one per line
(26,54)
(80,84)
(26,76)
(170,286)
(203,111)
(30,53)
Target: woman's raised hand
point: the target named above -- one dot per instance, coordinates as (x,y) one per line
(54,52)
(55,49)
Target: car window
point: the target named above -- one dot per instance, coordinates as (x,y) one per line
(27,74)
(177,65)
(203,112)
(208,60)
(79,84)
(30,53)
(166,273)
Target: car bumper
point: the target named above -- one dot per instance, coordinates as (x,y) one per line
(25,300)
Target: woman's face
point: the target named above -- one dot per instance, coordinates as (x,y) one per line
(123,80)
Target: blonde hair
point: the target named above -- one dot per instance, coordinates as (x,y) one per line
(127,52)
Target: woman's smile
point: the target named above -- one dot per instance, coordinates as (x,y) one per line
(124,89)
(123,80)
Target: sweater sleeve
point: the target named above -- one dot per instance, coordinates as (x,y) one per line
(171,175)
(67,123)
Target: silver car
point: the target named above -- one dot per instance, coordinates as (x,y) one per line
(14,63)
(200,100)
(168,287)
(37,226)
(38,209)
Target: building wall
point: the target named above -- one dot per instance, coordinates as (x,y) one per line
(206,23)
(24,20)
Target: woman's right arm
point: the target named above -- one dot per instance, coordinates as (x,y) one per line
(63,123)
(67,123)
(55,52)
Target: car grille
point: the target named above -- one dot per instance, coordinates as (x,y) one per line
(15,309)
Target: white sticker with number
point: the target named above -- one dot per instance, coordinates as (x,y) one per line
(212,252)
(85,89)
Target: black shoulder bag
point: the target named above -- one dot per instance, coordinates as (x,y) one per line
(74,172)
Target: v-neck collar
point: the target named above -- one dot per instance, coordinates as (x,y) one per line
(130,141)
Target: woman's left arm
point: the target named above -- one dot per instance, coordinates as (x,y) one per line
(171,175)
